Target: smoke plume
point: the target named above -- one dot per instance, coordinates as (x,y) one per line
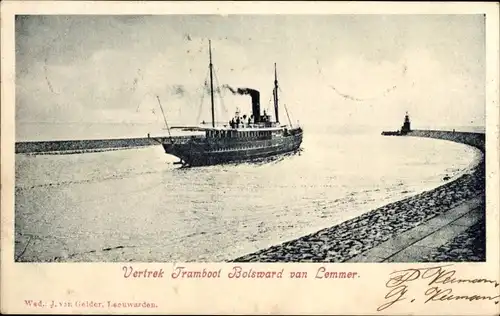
(254,94)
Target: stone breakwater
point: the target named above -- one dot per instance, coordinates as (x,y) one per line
(64,147)
(80,146)
(353,237)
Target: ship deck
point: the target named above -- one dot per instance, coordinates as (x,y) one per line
(196,151)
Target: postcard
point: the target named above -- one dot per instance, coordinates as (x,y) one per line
(250,158)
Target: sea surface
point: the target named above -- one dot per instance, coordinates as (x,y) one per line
(138,203)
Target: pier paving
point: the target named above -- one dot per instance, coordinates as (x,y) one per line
(417,243)
(441,225)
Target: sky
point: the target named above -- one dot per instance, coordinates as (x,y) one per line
(333,70)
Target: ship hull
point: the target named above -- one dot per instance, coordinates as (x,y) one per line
(202,153)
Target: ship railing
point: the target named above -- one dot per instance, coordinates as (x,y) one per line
(178,140)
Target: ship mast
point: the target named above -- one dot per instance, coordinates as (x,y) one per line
(164,118)
(276,94)
(211,82)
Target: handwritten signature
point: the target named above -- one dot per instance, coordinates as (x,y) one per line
(437,276)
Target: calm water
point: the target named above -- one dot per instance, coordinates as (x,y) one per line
(139,200)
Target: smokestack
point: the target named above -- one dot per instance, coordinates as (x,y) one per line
(255,95)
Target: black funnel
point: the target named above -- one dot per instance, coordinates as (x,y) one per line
(255,102)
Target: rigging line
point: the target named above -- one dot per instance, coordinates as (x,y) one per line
(216,81)
(164,118)
(218,85)
(268,103)
(270,98)
(203,90)
(200,108)
(284,104)
(218,89)
(281,92)
(286,110)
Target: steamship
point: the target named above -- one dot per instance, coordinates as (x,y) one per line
(241,139)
